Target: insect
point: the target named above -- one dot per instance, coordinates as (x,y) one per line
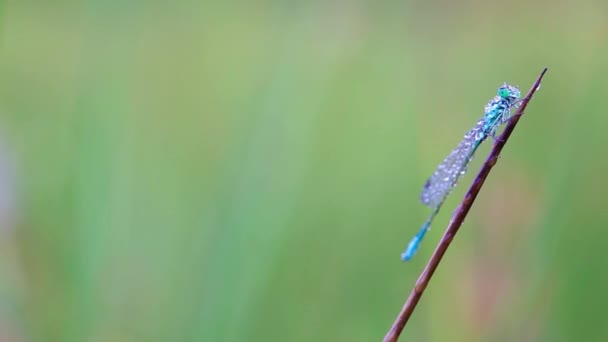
(446,176)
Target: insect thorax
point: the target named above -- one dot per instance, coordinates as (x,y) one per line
(494,112)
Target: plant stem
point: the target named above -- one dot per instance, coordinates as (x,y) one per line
(458,218)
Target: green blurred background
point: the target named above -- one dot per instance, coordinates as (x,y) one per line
(250,171)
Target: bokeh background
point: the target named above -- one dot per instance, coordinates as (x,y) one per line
(250,170)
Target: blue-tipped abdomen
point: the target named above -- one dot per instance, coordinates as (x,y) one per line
(412,247)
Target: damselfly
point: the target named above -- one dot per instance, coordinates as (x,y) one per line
(446,176)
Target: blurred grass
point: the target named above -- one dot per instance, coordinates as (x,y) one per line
(250,170)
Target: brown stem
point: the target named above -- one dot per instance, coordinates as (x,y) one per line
(458,218)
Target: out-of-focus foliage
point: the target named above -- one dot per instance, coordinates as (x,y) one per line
(250,170)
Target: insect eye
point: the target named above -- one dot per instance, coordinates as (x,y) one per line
(504,93)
